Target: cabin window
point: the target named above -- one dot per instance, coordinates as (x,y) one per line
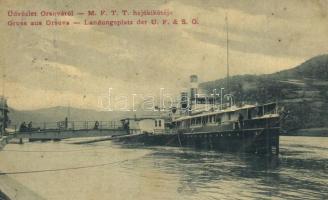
(198,120)
(212,117)
(155,123)
(249,114)
(188,121)
(229,116)
(159,123)
(218,119)
(260,111)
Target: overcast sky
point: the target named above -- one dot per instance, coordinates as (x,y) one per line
(74,65)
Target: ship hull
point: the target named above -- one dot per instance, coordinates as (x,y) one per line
(257,141)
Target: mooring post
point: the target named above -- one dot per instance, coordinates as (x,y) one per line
(277,145)
(267,145)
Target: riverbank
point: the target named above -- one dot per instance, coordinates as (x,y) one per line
(315,132)
(10,189)
(3,142)
(3,196)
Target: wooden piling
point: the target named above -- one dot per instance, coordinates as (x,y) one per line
(277,145)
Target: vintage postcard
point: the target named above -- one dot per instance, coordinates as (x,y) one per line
(163,99)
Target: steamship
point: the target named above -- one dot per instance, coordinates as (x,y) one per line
(200,122)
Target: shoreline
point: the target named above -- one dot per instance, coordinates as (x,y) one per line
(11,189)
(3,142)
(3,196)
(314,132)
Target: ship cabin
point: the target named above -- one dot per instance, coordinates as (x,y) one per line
(144,125)
(246,116)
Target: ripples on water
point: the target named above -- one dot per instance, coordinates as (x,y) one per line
(171,173)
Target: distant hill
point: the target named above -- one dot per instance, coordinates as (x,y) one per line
(314,68)
(303,91)
(58,114)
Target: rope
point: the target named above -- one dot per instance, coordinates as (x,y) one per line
(52,151)
(64,169)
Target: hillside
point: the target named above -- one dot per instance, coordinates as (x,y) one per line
(314,68)
(303,91)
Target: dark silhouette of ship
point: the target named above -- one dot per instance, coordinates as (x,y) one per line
(201,122)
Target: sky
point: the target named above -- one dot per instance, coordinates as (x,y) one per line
(76,65)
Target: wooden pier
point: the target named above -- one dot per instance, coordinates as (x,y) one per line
(71,129)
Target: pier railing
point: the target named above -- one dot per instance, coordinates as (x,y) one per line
(69,125)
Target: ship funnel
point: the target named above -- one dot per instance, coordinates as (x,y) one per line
(193,86)
(184,103)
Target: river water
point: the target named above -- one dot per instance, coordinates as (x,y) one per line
(104,170)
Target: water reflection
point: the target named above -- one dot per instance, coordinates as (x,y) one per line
(297,173)
(169,173)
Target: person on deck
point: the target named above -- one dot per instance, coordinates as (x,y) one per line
(66,122)
(96,125)
(22,127)
(241,120)
(29,126)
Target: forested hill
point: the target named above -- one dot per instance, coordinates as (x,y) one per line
(303,91)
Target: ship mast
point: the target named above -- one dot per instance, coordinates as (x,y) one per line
(228,75)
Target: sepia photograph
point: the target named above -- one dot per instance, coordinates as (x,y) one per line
(163,99)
